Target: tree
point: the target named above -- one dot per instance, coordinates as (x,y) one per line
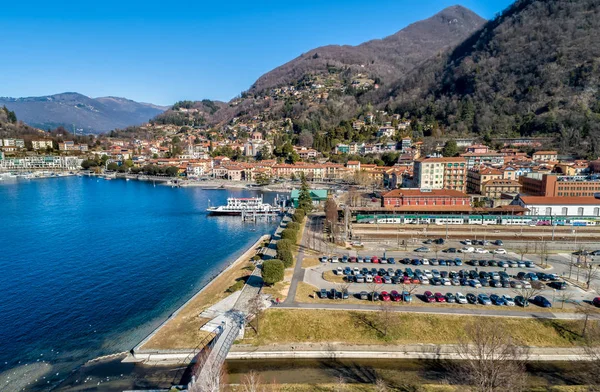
(586,312)
(385,317)
(304,199)
(252,382)
(262,179)
(373,288)
(305,139)
(523,250)
(272,271)
(591,273)
(286,256)
(490,360)
(299,215)
(331,215)
(450,148)
(113,166)
(172,171)
(264,153)
(256,308)
(289,234)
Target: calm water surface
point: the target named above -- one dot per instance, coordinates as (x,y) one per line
(89,267)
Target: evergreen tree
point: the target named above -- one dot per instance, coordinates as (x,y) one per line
(304,199)
(450,149)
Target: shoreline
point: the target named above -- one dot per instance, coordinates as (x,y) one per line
(138,352)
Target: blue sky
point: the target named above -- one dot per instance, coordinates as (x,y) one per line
(162,52)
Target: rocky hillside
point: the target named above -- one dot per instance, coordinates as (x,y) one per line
(73,111)
(384,60)
(535,69)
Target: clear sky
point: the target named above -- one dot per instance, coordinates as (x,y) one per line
(162,52)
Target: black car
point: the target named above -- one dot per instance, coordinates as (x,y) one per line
(498,242)
(436,281)
(558,285)
(427,242)
(495,283)
(406,260)
(450,298)
(471,298)
(483,263)
(521,301)
(484,282)
(440,241)
(323,293)
(542,276)
(344,294)
(492,263)
(542,301)
(333,294)
(451,250)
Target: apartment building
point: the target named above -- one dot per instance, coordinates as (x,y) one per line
(441,173)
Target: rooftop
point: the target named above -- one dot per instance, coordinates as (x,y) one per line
(542,200)
(419,192)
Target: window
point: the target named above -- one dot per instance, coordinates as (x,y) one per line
(565,211)
(596,211)
(580,211)
(548,210)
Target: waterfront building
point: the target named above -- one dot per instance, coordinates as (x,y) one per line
(317,196)
(41,162)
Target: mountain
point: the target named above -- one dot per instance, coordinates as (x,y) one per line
(384,59)
(73,111)
(534,69)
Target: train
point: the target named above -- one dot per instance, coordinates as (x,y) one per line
(484,220)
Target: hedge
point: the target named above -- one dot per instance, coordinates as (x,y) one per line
(293,226)
(289,234)
(272,271)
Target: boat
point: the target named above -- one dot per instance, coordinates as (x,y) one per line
(248,205)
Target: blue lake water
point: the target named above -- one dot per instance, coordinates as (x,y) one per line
(89,267)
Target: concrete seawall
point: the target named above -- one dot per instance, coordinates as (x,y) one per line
(140,354)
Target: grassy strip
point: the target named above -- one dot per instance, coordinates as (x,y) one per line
(330,276)
(183,331)
(283,326)
(309,262)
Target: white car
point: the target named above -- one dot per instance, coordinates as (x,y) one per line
(424,279)
(500,251)
(383,261)
(508,299)
(428,274)
(369,278)
(460,298)
(425,262)
(324,259)
(467,250)
(481,250)
(446,282)
(467,242)
(360,260)
(335,259)
(355,271)
(339,271)
(525,284)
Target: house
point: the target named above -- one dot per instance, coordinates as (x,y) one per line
(493,189)
(560,206)
(480,175)
(41,144)
(386,131)
(545,156)
(317,196)
(353,165)
(342,149)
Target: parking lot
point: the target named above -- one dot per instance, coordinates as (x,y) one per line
(503,275)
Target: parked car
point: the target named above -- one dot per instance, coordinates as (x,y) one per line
(484,299)
(503,264)
(360,260)
(481,250)
(467,250)
(406,297)
(451,250)
(323,293)
(395,296)
(446,282)
(460,298)
(335,259)
(436,281)
(498,243)
(333,294)
(422,249)
(429,296)
(439,297)
(324,259)
(383,261)
(375,296)
(525,284)
(542,301)
(475,283)
(339,271)
(424,279)
(387,280)
(368,278)
(471,298)
(377,279)
(508,300)
(596,302)
(359,278)
(558,285)
(364,295)
(500,251)
(374,259)
(347,271)
(466,242)
(428,241)
(345,294)
(385,296)
(450,298)
(497,300)
(391,260)
(521,301)
(440,241)
(352,259)
(345,259)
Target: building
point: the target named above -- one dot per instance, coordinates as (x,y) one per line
(317,196)
(478,149)
(441,173)
(386,131)
(252,148)
(405,144)
(553,185)
(342,149)
(417,199)
(493,189)
(545,156)
(560,206)
(41,162)
(478,176)
(71,146)
(41,144)
(18,143)
(483,158)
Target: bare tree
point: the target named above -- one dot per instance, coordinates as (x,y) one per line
(591,273)
(341,287)
(209,379)
(543,252)
(528,293)
(490,360)
(587,313)
(373,288)
(385,316)
(256,308)
(523,250)
(340,384)
(410,288)
(252,382)
(591,346)
(565,296)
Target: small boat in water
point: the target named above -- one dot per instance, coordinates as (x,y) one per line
(248,205)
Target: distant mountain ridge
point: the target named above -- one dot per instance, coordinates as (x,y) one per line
(77,111)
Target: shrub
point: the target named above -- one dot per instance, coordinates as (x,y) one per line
(293,226)
(272,271)
(256,257)
(298,215)
(236,286)
(289,234)
(286,256)
(285,244)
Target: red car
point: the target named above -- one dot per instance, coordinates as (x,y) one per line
(596,301)
(439,297)
(415,280)
(406,280)
(352,259)
(374,259)
(377,279)
(395,296)
(385,296)
(429,296)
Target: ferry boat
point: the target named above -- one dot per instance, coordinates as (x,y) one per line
(249,205)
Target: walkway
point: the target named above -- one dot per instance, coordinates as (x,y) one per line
(298,276)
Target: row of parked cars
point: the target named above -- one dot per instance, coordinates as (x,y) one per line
(434,261)
(472,278)
(429,297)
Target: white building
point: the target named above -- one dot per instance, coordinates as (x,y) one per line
(386,131)
(560,206)
(41,162)
(41,144)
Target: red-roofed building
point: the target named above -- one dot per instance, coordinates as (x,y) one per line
(438,199)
